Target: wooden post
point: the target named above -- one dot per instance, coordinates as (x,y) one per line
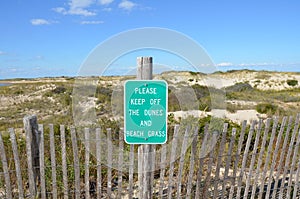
(144,72)
(32,148)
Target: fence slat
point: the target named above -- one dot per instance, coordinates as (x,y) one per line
(219,161)
(120,169)
(172,161)
(64,160)
(17,162)
(237,159)
(294,159)
(42,162)
(287,160)
(87,162)
(76,162)
(5,169)
(274,158)
(98,156)
(253,157)
(282,149)
(244,161)
(53,161)
(140,171)
(260,157)
(131,165)
(109,162)
(192,164)
(267,160)
(297,177)
(31,179)
(228,161)
(162,169)
(181,161)
(212,154)
(201,157)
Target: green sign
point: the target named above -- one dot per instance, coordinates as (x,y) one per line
(145,111)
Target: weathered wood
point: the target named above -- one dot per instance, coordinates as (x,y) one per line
(219,161)
(163,158)
(148,161)
(237,159)
(17,162)
(282,154)
(296,186)
(140,171)
(87,163)
(260,157)
(228,161)
(53,162)
(131,166)
(42,162)
(64,161)
(152,169)
(192,164)
(181,161)
(288,156)
(120,166)
(5,169)
(201,160)
(172,161)
(29,122)
(212,155)
(253,157)
(275,154)
(245,157)
(98,156)
(294,159)
(269,150)
(109,161)
(76,162)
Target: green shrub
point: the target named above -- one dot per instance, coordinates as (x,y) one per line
(266,108)
(292,82)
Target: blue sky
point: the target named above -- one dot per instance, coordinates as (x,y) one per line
(53,38)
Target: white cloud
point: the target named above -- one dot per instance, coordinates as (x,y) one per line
(91,22)
(77,7)
(37,22)
(107,9)
(105,2)
(224,64)
(127,5)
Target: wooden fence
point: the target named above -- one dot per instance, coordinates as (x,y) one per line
(257,161)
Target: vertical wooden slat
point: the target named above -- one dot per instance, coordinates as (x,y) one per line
(267,160)
(228,161)
(53,161)
(296,186)
(109,162)
(140,171)
(120,166)
(87,162)
(5,169)
(131,165)
(219,161)
(201,160)
(253,157)
(28,132)
(153,152)
(181,161)
(281,159)
(147,187)
(293,165)
(98,156)
(277,146)
(172,161)
(260,157)
(287,161)
(212,154)
(76,162)
(162,169)
(17,162)
(237,159)
(42,162)
(245,157)
(64,160)
(192,164)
